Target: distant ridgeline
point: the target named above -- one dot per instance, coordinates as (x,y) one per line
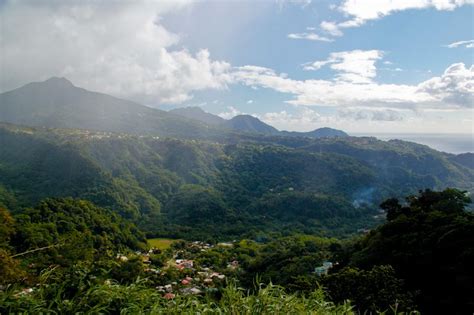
(175,173)
(57,103)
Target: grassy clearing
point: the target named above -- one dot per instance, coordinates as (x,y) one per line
(161,243)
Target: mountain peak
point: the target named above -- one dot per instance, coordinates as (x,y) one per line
(58,81)
(251,124)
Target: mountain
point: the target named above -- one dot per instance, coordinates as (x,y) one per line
(248,123)
(57,103)
(465,159)
(241,123)
(197,113)
(317,133)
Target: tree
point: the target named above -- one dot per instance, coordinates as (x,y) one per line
(430,244)
(375,290)
(6,227)
(10,270)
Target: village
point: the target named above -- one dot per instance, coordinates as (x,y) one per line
(196,268)
(184,272)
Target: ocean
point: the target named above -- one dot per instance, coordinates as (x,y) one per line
(450,143)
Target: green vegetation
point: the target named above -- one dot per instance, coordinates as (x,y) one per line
(138,298)
(326,187)
(429,242)
(60,232)
(76,207)
(161,243)
(69,256)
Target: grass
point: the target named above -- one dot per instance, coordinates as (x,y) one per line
(137,298)
(161,243)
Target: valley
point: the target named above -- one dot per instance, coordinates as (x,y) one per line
(204,210)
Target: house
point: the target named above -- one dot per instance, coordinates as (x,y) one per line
(323,270)
(146,259)
(192,290)
(183,263)
(327,264)
(233,264)
(169,296)
(217,275)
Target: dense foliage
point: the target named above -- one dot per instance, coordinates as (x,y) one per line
(138,298)
(63,231)
(258,184)
(400,266)
(429,242)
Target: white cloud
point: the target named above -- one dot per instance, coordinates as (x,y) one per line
(302,118)
(364,10)
(356,66)
(331,28)
(309,36)
(361,11)
(368,119)
(230,113)
(455,86)
(118,48)
(462,43)
(392,69)
(371,114)
(300,3)
(249,101)
(453,89)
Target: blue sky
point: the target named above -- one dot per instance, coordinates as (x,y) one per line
(359,65)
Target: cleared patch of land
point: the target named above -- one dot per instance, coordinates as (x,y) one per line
(161,243)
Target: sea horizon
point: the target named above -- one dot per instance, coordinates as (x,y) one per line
(454,143)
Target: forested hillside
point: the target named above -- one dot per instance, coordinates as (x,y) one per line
(175,187)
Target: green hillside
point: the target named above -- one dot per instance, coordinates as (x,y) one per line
(174,187)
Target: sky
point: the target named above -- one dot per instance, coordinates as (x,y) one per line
(364,66)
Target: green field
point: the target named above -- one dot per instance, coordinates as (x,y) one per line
(161,243)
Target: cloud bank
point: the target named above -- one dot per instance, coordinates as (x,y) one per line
(115,47)
(462,43)
(359,12)
(354,85)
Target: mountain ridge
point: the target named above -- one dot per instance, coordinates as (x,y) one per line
(146,178)
(249,123)
(57,103)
